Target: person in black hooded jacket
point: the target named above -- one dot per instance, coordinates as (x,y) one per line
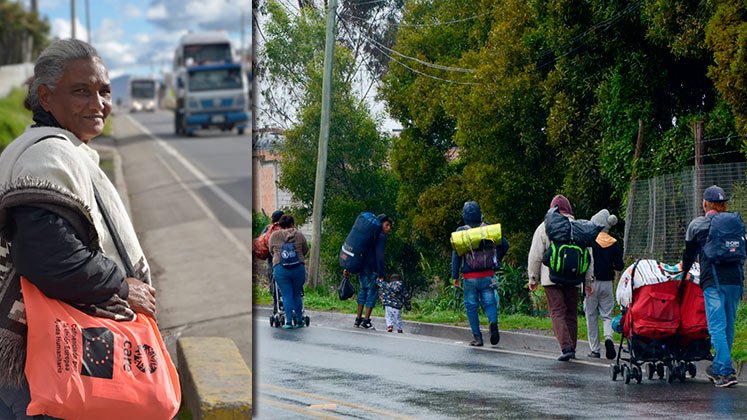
(479,285)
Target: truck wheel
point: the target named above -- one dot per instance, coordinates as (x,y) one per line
(240,130)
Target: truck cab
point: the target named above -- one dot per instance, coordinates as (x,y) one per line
(212,96)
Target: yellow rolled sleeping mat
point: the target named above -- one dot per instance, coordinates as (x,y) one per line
(463,240)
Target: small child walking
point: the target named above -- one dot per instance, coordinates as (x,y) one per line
(392,298)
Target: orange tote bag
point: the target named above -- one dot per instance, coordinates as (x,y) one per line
(83,367)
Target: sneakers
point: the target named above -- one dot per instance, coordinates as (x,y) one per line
(609,347)
(720,381)
(476,341)
(358,322)
(300,324)
(495,335)
(288,326)
(567,355)
(366,323)
(724,381)
(390,329)
(710,375)
(594,354)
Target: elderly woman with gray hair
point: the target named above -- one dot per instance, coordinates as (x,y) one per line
(62,223)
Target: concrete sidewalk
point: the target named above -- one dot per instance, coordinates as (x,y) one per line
(203,282)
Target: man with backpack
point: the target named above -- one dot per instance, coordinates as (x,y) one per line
(373,270)
(479,282)
(718,241)
(561,282)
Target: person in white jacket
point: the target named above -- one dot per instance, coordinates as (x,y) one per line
(561,300)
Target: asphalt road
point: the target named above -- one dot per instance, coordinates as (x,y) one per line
(190,200)
(220,161)
(337,371)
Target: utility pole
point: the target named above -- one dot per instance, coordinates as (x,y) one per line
(72,19)
(321,158)
(88,22)
(698,184)
(632,190)
(254,97)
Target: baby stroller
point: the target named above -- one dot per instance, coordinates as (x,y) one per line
(653,331)
(277,319)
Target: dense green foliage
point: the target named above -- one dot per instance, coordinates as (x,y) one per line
(13,116)
(508,102)
(23,34)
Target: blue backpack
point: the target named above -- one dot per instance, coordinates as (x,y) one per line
(288,255)
(725,242)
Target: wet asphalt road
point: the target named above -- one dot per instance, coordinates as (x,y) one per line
(337,371)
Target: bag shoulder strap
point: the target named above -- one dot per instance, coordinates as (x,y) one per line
(129,270)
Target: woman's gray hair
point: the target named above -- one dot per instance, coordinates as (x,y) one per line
(50,65)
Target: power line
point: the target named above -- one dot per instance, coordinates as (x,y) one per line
(422,73)
(603,26)
(421,25)
(425,63)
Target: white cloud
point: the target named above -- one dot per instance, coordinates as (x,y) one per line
(61,28)
(199,14)
(108,30)
(157,12)
(131,11)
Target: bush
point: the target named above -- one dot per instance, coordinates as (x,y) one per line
(13,116)
(513,293)
(259,221)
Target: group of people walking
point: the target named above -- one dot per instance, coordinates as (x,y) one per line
(722,284)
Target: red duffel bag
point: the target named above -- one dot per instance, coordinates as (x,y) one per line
(84,367)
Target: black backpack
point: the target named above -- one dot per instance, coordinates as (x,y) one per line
(288,256)
(482,256)
(568,256)
(725,242)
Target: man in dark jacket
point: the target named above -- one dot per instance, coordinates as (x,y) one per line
(373,270)
(722,286)
(479,285)
(608,258)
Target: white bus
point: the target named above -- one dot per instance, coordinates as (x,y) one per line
(143,94)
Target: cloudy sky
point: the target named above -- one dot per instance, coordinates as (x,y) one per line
(139,37)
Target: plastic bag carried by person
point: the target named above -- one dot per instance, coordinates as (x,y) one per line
(83,367)
(346,290)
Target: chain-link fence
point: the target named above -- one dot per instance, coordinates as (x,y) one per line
(661,208)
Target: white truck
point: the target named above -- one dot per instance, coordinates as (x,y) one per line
(211,89)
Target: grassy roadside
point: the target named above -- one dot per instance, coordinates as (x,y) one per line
(321,299)
(13,116)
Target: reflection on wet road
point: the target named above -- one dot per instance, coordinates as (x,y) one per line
(337,371)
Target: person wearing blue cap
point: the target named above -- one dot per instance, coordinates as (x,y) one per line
(718,241)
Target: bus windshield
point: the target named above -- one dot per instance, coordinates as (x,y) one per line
(215,79)
(143,89)
(208,53)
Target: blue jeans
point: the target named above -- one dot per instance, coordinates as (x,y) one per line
(13,403)
(290,281)
(721,309)
(477,291)
(369,292)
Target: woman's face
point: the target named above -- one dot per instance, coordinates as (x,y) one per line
(82,99)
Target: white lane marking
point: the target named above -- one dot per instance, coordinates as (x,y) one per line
(204,180)
(201,203)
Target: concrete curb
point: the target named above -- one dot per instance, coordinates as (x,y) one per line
(216,383)
(510,340)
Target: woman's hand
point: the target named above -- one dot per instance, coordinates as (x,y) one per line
(142,297)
